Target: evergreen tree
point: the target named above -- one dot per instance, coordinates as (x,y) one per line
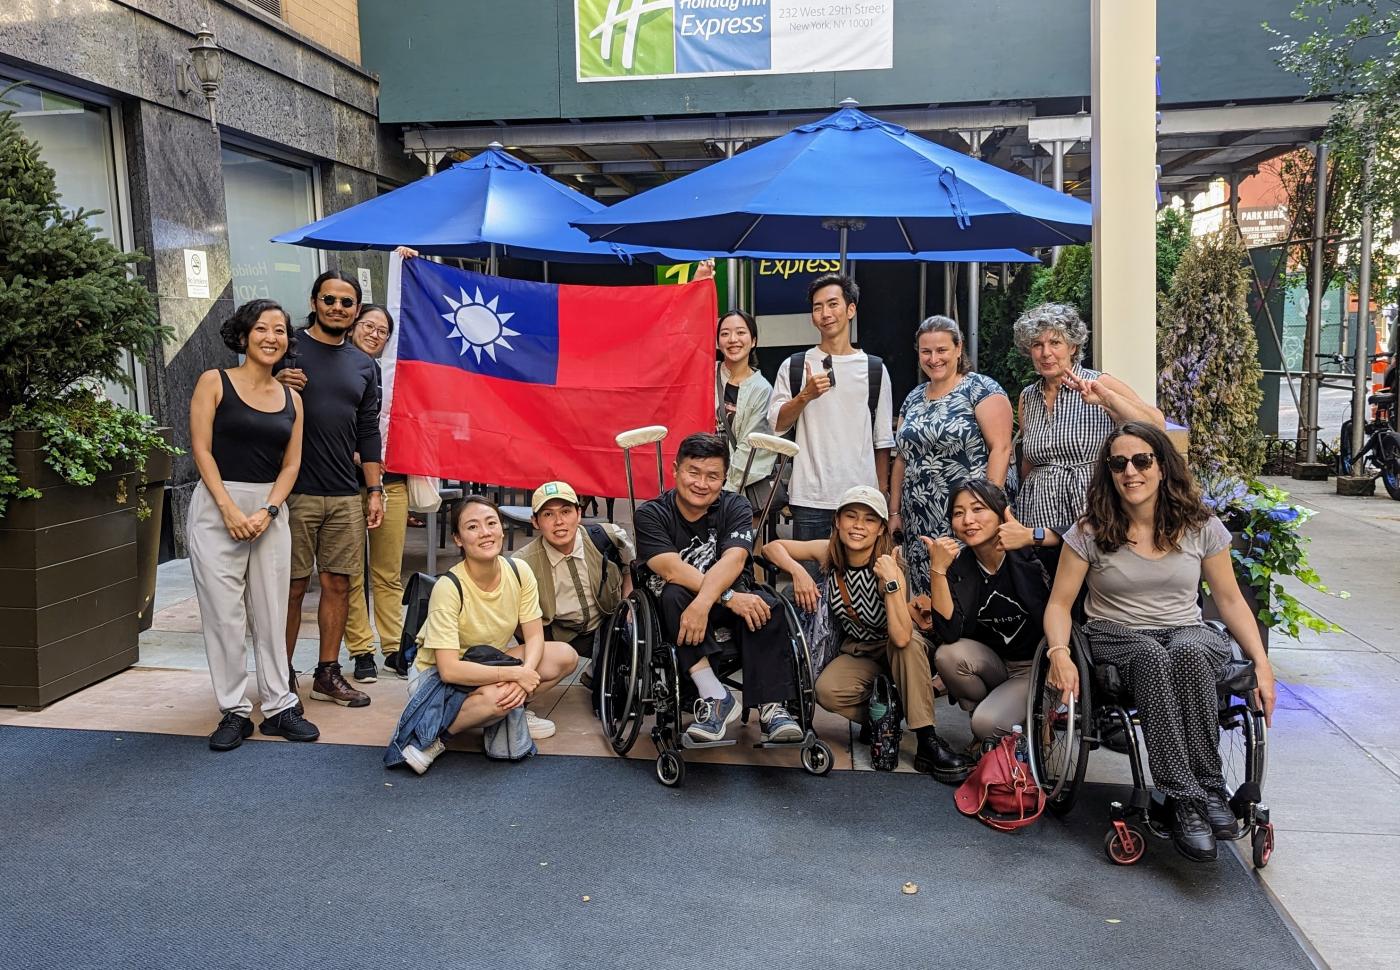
(69,305)
(1210,373)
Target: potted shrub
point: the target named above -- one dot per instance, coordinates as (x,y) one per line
(1268,545)
(71,462)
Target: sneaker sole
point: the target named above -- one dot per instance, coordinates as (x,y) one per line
(318,696)
(783,736)
(540,736)
(247,733)
(419,767)
(274,733)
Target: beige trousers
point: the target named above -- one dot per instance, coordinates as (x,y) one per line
(992,689)
(242,585)
(385,578)
(844,685)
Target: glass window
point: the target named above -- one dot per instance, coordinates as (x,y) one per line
(265,197)
(75,139)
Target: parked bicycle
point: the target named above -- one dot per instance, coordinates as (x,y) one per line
(1379,456)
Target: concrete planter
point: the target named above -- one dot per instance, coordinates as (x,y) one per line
(69,592)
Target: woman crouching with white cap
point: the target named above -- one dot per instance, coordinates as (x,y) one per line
(868,597)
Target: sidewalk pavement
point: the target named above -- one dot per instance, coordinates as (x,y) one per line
(1333,781)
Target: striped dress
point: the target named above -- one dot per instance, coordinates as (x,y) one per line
(1061,445)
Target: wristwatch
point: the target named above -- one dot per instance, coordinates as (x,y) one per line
(1038,534)
(725,597)
(375,488)
(892,586)
(271,511)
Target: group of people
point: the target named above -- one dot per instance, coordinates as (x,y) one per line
(942,561)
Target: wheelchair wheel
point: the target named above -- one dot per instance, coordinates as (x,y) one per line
(1057,733)
(1124,844)
(1243,758)
(817,759)
(625,669)
(1262,844)
(670,768)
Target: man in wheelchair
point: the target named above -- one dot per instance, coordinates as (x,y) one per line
(696,540)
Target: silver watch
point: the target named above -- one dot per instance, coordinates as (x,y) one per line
(725,597)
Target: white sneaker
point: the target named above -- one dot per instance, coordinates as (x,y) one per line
(421,761)
(540,727)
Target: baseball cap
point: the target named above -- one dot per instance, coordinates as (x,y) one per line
(550,491)
(867,496)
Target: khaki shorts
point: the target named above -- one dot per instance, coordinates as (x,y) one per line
(328,534)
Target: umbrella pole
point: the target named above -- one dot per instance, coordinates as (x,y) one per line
(974,301)
(546,271)
(844,267)
(491,262)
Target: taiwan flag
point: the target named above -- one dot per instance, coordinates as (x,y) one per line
(517,383)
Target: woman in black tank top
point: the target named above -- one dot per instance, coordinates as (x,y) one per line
(868,599)
(245,436)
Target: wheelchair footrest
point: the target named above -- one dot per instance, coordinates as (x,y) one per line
(806,741)
(688,743)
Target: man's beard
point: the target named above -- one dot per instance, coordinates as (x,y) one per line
(333,329)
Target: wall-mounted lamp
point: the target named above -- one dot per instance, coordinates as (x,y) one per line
(206,67)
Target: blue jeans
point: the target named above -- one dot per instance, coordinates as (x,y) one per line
(810,523)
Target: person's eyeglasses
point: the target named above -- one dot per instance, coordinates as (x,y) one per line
(1142,461)
(381,332)
(346,301)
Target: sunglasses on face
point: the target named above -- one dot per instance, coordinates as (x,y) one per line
(1142,461)
(345,301)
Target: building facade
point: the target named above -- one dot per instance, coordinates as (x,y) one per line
(105,92)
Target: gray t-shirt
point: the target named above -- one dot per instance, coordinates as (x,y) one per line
(1147,594)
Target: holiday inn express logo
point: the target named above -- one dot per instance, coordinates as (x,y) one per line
(638,39)
(621,38)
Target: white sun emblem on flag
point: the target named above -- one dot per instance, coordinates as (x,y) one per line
(478,324)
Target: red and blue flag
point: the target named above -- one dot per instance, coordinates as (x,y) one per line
(516,383)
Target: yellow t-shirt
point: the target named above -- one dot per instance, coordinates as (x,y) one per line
(479,617)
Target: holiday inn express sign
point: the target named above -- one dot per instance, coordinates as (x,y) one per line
(616,40)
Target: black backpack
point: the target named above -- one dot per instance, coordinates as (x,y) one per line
(604,544)
(417,593)
(875,378)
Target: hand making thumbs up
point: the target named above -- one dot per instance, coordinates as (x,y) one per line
(1011,534)
(817,383)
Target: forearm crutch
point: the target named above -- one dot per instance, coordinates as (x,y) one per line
(635,438)
(785,449)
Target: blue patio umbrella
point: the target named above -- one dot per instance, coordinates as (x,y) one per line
(493,204)
(849,183)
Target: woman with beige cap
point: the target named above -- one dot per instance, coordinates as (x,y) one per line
(868,597)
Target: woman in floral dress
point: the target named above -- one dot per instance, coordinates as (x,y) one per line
(954,427)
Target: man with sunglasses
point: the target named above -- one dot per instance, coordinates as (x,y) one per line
(340,401)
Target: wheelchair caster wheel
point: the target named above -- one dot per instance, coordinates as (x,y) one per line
(1124,844)
(817,759)
(670,769)
(1262,843)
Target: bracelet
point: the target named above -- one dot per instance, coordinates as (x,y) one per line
(944,573)
(375,488)
(1059,646)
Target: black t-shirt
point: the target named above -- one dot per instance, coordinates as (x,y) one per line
(726,525)
(999,620)
(731,407)
(340,415)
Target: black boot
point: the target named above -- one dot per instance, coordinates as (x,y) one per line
(934,757)
(1191,833)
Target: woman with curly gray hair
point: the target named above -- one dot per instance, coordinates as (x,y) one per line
(1064,418)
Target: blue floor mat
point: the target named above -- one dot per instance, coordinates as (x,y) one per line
(148,851)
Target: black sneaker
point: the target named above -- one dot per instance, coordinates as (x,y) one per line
(289,724)
(1220,816)
(230,732)
(1191,833)
(393,662)
(365,670)
(934,757)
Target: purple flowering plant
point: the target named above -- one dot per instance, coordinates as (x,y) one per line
(1271,547)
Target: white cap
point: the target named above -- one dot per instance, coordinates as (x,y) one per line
(871,498)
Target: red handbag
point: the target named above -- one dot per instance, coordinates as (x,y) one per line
(1000,791)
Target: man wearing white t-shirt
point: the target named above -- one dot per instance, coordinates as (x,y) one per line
(842,444)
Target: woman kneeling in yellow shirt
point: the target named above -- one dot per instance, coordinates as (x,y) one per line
(496,599)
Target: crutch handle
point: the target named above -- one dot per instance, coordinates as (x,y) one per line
(640,436)
(771,442)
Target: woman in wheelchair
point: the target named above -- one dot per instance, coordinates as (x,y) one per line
(1143,548)
(868,594)
(987,609)
(493,596)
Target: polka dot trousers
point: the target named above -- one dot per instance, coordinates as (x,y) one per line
(1171,673)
